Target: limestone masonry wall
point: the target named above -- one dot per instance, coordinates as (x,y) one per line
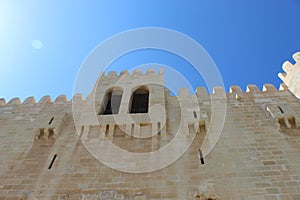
(43,155)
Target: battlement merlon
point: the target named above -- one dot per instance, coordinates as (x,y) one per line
(135,73)
(291,77)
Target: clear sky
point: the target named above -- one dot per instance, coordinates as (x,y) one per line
(43,43)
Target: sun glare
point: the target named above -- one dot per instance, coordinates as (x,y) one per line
(5,16)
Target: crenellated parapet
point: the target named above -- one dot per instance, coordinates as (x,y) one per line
(134,73)
(201,93)
(30,101)
(235,89)
(195,108)
(291,75)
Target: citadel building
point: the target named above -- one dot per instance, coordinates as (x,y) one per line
(78,149)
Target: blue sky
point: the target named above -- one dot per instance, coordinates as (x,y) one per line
(43,43)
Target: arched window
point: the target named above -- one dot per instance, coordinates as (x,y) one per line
(139,100)
(111,101)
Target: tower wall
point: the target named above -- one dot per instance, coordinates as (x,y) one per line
(43,155)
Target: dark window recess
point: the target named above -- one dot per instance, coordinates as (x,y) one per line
(140,101)
(113,103)
(281,110)
(132,129)
(82,129)
(195,114)
(158,128)
(51,120)
(201,157)
(107,129)
(54,157)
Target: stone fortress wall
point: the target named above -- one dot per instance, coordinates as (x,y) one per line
(256,157)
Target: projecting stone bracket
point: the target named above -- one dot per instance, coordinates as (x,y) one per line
(51,128)
(288,122)
(44,134)
(282,116)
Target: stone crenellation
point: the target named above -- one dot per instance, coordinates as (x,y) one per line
(251,88)
(136,72)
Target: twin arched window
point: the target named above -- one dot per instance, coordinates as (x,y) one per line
(138,102)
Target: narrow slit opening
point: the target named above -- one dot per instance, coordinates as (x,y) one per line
(195,114)
(51,120)
(281,110)
(201,157)
(51,164)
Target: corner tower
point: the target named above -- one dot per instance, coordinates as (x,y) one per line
(291,77)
